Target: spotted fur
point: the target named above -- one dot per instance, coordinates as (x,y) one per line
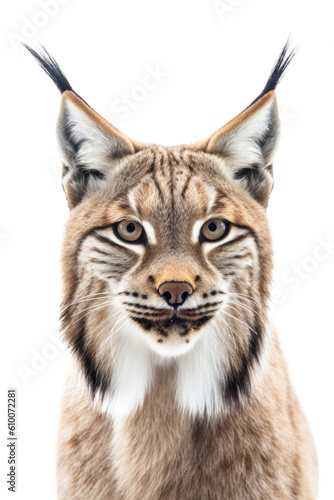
(189,402)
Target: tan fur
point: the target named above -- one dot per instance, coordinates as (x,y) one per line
(258,445)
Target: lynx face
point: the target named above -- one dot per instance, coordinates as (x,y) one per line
(167,254)
(175,249)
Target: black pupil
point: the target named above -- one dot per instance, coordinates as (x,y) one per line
(212,227)
(130,227)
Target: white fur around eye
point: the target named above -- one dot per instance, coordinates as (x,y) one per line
(197,230)
(149,230)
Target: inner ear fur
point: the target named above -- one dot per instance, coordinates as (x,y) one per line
(90,145)
(248,144)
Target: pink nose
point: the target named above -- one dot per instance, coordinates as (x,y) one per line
(175,292)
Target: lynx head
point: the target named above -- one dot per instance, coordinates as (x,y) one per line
(167,254)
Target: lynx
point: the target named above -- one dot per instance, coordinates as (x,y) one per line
(178,387)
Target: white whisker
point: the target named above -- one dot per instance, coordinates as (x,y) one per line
(95,306)
(248,308)
(86,298)
(245,324)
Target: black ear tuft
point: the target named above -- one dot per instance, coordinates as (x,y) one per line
(51,68)
(278,70)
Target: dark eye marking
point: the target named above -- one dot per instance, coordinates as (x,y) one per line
(103,239)
(236,239)
(110,243)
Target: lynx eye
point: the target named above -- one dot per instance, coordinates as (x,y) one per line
(214,229)
(129,230)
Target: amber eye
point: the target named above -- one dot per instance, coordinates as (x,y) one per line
(214,229)
(129,230)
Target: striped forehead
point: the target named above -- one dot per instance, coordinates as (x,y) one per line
(172,189)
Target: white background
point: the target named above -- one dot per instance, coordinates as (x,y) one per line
(215,61)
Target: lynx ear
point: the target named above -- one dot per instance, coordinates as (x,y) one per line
(89,144)
(248,143)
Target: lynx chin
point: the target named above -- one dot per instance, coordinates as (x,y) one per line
(178,388)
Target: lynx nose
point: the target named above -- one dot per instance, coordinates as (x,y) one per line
(175,292)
